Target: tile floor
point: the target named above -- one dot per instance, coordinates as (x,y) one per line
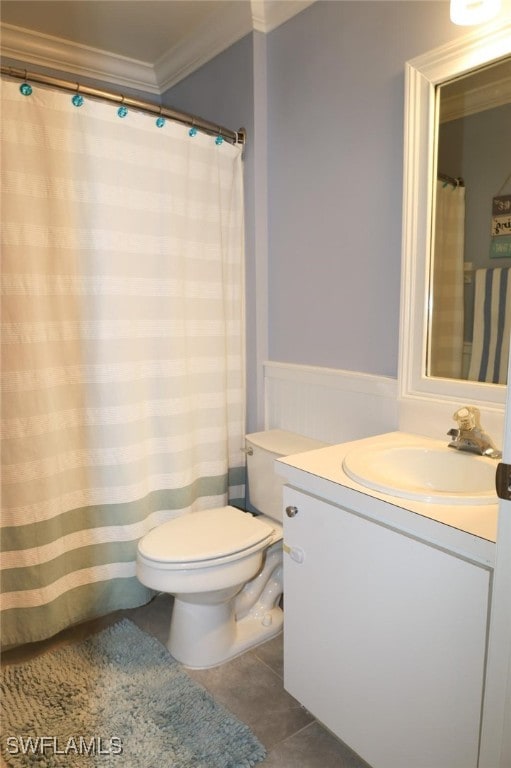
(250,686)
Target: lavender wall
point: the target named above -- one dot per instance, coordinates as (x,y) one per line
(335,106)
(327,258)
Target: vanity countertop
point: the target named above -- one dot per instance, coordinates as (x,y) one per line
(468,530)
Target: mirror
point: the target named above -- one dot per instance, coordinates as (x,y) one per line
(470,289)
(432,83)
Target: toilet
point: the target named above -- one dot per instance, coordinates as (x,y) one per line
(224,565)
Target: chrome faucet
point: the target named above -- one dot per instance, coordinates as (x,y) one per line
(470,435)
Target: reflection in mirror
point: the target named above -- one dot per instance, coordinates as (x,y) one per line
(470,283)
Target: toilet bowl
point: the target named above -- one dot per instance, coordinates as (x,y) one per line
(205,559)
(224,565)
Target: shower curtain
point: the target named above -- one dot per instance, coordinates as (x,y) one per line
(122,348)
(447,310)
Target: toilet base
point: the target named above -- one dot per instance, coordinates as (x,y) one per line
(205,636)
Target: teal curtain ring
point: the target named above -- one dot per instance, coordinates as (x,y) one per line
(26,89)
(192,132)
(219,139)
(160,121)
(77,99)
(123,110)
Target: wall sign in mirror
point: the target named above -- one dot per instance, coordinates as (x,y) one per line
(470,287)
(456,276)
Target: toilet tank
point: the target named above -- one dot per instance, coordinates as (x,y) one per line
(264,485)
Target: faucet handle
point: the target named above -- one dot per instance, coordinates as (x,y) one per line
(470,436)
(468,418)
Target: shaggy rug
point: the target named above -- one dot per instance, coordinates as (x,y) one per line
(117,699)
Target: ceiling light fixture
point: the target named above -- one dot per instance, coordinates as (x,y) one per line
(468,12)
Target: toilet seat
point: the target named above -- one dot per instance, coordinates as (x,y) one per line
(201,539)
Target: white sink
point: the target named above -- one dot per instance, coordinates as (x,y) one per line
(424,469)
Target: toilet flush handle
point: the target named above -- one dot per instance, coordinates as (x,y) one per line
(295,553)
(291,511)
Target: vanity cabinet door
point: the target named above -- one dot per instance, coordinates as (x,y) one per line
(384,637)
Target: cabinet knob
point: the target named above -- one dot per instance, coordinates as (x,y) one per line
(291,511)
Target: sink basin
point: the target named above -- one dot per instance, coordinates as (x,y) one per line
(426,470)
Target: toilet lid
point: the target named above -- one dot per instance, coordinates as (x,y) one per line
(205,535)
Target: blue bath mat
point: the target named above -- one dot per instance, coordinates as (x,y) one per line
(117,699)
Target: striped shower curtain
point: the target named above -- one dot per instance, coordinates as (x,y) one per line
(122,348)
(447,306)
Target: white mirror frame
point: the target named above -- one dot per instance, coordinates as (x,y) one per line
(422,75)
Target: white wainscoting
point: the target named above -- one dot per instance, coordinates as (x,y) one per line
(328,404)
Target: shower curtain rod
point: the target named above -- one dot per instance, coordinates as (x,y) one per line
(235,137)
(458,182)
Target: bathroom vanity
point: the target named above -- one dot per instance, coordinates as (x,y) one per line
(386,612)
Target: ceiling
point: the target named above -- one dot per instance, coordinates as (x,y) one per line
(147,44)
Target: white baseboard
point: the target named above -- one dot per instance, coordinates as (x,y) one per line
(328,404)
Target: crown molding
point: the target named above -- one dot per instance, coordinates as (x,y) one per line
(63,55)
(214,36)
(220,32)
(211,38)
(267,15)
